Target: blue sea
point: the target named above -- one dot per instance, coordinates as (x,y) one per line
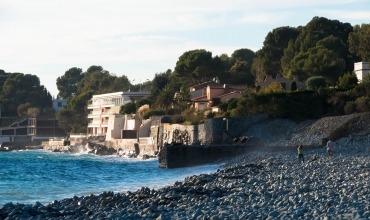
(30,176)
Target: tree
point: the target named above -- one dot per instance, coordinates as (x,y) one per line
(243,54)
(67,84)
(319,28)
(165,97)
(98,81)
(195,66)
(316,82)
(141,102)
(324,62)
(75,113)
(240,74)
(121,84)
(340,50)
(258,70)
(359,42)
(21,88)
(285,61)
(159,81)
(366,79)
(65,118)
(273,50)
(182,97)
(128,108)
(101,81)
(347,81)
(319,34)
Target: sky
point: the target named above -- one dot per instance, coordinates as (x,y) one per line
(140,38)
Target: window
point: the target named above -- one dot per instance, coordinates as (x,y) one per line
(60,104)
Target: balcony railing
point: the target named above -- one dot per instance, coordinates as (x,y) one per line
(103,103)
(93,124)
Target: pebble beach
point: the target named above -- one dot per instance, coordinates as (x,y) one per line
(258,185)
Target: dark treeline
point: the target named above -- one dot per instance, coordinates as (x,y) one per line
(22,94)
(322,48)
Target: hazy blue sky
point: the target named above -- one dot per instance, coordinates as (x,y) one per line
(140,38)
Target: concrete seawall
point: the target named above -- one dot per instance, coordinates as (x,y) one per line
(178,155)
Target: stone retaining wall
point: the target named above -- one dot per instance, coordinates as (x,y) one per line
(213,131)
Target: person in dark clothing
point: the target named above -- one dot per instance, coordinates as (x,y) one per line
(300,153)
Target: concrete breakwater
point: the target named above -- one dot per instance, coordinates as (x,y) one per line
(179,155)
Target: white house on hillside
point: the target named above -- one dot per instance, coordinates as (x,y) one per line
(361,69)
(103,106)
(58,104)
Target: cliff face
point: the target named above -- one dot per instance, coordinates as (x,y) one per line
(287,133)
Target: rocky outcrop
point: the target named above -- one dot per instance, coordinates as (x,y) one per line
(287,133)
(101,150)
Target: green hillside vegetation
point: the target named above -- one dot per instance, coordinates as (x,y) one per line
(321,53)
(22,94)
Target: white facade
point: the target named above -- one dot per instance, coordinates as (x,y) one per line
(103,105)
(115,124)
(361,69)
(58,104)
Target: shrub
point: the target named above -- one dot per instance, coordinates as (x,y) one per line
(143,109)
(33,111)
(347,81)
(223,106)
(350,107)
(316,82)
(232,103)
(150,113)
(362,104)
(210,114)
(258,88)
(273,87)
(177,119)
(187,123)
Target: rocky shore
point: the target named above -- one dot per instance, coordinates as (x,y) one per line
(259,185)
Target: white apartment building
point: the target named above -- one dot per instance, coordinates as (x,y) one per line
(361,69)
(104,105)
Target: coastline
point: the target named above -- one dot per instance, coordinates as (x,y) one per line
(258,185)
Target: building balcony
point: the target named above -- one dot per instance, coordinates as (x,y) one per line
(93,124)
(98,114)
(106,104)
(93,115)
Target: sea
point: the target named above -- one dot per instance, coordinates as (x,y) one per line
(31,176)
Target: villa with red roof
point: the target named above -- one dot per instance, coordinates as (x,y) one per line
(212,93)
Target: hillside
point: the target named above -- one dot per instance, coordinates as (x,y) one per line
(287,133)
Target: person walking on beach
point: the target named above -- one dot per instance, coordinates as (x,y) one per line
(300,153)
(330,148)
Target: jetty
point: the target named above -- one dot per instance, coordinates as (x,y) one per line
(181,155)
